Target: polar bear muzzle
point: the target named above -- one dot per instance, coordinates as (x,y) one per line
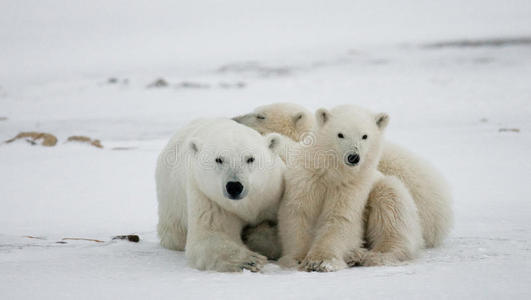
(235,190)
(352,159)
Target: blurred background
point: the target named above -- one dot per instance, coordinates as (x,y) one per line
(43,40)
(94,60)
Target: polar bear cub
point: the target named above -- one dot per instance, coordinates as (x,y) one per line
(426,185)
(288,119)
(328,183)
(214,177)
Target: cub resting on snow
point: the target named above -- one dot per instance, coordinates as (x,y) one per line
(327,187)
(427,187)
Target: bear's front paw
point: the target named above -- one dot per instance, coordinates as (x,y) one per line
(320,264)
(253,262)
(356,257)
(234,260)
(224,257)
(288,262)
(239,260)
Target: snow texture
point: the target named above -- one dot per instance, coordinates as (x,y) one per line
(453,75)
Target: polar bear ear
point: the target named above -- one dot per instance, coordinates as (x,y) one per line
(298,118)
(382,119)
(195,145)
(322,115)
(273,141)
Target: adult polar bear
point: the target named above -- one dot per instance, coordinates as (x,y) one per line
(214,177)
(426,185)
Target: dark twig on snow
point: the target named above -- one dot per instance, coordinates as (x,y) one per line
(34,237)
(82,239)
(131,237)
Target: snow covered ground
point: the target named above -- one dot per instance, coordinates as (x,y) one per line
(447,100)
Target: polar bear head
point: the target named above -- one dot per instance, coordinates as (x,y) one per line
(353,134)
(234,163)
(288,119)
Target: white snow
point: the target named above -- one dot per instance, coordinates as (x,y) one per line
(447,104)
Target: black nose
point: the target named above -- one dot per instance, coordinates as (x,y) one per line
(234,188)
(353,159)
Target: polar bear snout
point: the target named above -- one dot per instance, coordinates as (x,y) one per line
(352,159)
(235,190)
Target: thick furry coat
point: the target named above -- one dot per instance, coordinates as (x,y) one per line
(213,178)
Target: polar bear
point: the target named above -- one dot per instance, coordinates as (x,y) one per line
(328,184)
(427,187)
(288,119)
(214,177)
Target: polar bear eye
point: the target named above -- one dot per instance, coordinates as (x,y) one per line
(340,135)
(260,117)
(250,160)
(219,160)
(364,137)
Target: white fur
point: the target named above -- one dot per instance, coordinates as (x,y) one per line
(321,214)
(195,214)
(427,187)
(393,230)
(288,119)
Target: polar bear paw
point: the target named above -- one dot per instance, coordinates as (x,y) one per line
(320,264)
(254,262)
(356,257)
(288,262)
(239,261)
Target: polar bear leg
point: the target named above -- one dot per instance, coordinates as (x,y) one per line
(172,234)
(339,231)
(213,240)
(263,238)
(427,187)
(393,231)
(295,237)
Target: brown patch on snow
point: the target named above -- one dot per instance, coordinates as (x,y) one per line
(130,237)
(32,137)
(34,237)
(509,130)
(85,139)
